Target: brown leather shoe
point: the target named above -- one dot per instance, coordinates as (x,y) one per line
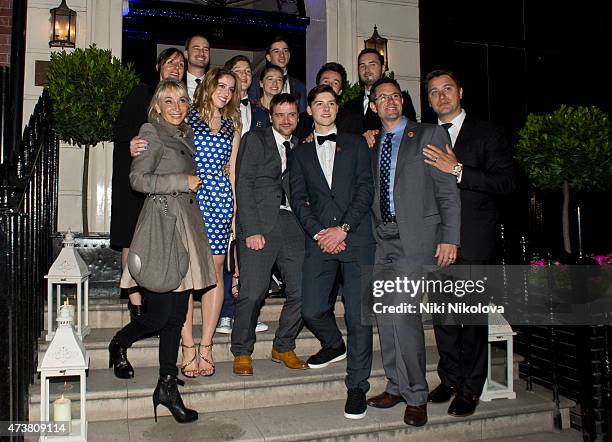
(243,365)
(289,358)
(415,415)
(385,400)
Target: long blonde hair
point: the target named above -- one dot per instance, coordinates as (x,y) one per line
(202,101)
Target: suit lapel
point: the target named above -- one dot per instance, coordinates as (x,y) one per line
(271,141)
(464,134)
(340,155)
(311,155)
(408,148)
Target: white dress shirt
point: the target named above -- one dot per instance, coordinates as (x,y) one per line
(283,156)
(192,84)
(326,153)
(456,122)
(245,117)
(286,85)
(366,102)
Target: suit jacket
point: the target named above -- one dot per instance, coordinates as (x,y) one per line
(427,204)
(346,121)
(370,120)
(259,183)
(488,172)
(298,90)
(348,201)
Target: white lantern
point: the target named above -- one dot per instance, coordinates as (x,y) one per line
(68,269)
(62,367)
(500,331)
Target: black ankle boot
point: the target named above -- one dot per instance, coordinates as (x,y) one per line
(135,310)
(167,394)
(117,358)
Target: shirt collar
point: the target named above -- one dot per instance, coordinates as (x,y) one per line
(192,78)
(279,138)
(333,131)
(457,121)
(398,129)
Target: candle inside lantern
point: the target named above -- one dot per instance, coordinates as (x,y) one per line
(62,411)
(70,308)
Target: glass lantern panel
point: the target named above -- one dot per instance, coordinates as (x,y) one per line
(65,401)
(499,366)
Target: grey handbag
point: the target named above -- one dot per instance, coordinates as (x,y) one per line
(157,259)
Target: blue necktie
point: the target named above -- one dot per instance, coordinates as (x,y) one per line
(385,178)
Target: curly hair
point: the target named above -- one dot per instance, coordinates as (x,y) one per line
(202,101)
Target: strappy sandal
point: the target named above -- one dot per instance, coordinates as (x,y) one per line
(210,371)
(189,373)
(235,284)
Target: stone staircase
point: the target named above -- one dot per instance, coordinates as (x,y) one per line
(276,404)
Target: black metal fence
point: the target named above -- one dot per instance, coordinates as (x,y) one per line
(28,208)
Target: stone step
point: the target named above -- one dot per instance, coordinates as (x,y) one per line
(116,315)
(109,398)
(529,413)
(144,353)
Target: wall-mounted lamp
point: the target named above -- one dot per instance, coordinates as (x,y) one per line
(63,26)
(380,44)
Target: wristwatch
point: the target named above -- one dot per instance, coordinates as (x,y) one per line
(345,228)
(457,169)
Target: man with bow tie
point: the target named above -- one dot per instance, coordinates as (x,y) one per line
(197,54)
(331,195)
(268,233)
(416,214)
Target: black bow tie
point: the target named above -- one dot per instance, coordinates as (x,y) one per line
(323,138)
(244,101)
(197,80)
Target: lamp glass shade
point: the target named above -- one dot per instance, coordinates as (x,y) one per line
(379,44)
(63,26)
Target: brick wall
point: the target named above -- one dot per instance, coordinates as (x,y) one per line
(6,13)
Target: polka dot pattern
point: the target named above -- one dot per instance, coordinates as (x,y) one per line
(214,196)
(385,177)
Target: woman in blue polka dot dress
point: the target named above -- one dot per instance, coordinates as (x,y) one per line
(215,120)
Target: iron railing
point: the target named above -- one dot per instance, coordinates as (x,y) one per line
(28,217)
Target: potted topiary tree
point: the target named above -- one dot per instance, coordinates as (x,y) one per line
(568,149)
(87,87)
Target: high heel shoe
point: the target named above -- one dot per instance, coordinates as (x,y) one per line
(211,370)
(117,358)
(167,394)
(189,373)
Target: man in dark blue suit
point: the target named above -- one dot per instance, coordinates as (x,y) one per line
(331,193)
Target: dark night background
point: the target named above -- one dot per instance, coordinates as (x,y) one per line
(516,57)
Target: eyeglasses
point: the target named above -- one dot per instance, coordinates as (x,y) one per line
(383,97)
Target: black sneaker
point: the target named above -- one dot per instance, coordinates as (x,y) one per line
(356,406)
(326,356)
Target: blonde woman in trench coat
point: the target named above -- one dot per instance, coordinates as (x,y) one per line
(167,168)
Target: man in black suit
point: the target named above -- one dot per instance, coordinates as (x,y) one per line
(334,75)
(481,159)
(371,66)
(268,233)
(331,194)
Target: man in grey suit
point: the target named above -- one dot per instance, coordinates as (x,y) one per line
(416,224)
(268,233)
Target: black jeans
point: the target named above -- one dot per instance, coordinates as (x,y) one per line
(165,314)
